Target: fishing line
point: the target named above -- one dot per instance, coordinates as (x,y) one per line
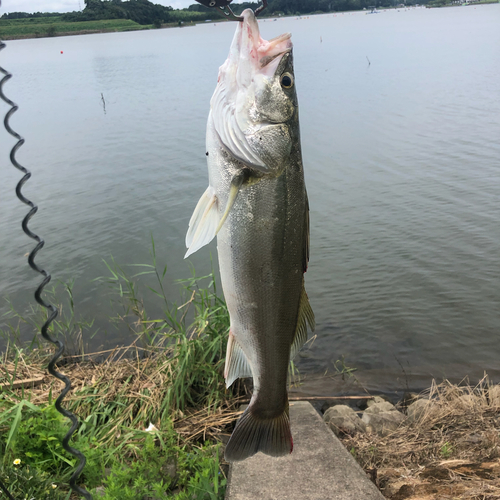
(51,310)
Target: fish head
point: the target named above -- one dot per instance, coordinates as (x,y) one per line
(254,106)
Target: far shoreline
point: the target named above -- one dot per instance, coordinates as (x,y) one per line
(215,21)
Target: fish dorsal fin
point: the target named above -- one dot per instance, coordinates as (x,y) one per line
(203,223)
(305,261)
(305,317)
(237,365)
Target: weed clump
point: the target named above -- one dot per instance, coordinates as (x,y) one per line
(152,414)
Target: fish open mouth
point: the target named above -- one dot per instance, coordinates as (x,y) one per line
(250,55)
(275,48)
(252,61)
(249,51)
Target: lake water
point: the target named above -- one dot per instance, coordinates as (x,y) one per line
(400,123)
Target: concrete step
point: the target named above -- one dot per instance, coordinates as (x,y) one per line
(320,468)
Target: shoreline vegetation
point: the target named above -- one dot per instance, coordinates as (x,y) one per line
(151,414)
(109,16)
(155,415)
(446,447)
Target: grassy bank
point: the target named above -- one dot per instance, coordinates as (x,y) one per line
(139,438)
(155,415)
(11,29)
(33,27)
(152,414)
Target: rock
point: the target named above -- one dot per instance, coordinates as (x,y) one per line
(383,423)
(355,404)
(408,398)
(330,404)
(375,400)
(494,395)
(100,491)
(474,438)
(380,407)
(343,419)
(170,470)
(417,409)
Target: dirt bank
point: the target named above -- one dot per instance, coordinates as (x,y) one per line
(450,451)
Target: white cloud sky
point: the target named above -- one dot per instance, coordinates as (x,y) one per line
(68,5)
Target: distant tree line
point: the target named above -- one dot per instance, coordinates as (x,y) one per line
(140,11)
(25,15)
(302,7)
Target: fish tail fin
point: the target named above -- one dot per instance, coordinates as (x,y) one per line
(252,434)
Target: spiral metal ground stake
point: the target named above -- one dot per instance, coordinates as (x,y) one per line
(51,310)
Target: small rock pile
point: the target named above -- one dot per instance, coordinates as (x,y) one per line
(446,444)
(380,417)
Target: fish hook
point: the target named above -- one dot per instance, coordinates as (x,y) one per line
(223,5)
(230,13)
(261,8)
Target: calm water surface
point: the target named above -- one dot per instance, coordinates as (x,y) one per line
(400,122)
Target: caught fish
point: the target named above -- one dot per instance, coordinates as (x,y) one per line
(256,204)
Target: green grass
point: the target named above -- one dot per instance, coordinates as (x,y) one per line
(172,377)
(51,26)
(30,20)
(187,16)
(139,464)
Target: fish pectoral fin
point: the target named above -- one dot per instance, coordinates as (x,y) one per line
(236,183)
(203,223)
(305,317)
(237,365)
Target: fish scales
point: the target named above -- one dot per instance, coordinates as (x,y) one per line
(257,205)
(261,271)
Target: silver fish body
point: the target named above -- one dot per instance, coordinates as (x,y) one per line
(257,204)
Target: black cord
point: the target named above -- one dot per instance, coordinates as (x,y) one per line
(2,486)
(51,310)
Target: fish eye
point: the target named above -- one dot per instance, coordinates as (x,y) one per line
(286,81)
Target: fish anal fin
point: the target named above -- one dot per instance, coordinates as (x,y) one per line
(203,223)
(237,365)
(304,318)
(252,434)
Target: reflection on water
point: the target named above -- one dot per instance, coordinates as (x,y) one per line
(402,168)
